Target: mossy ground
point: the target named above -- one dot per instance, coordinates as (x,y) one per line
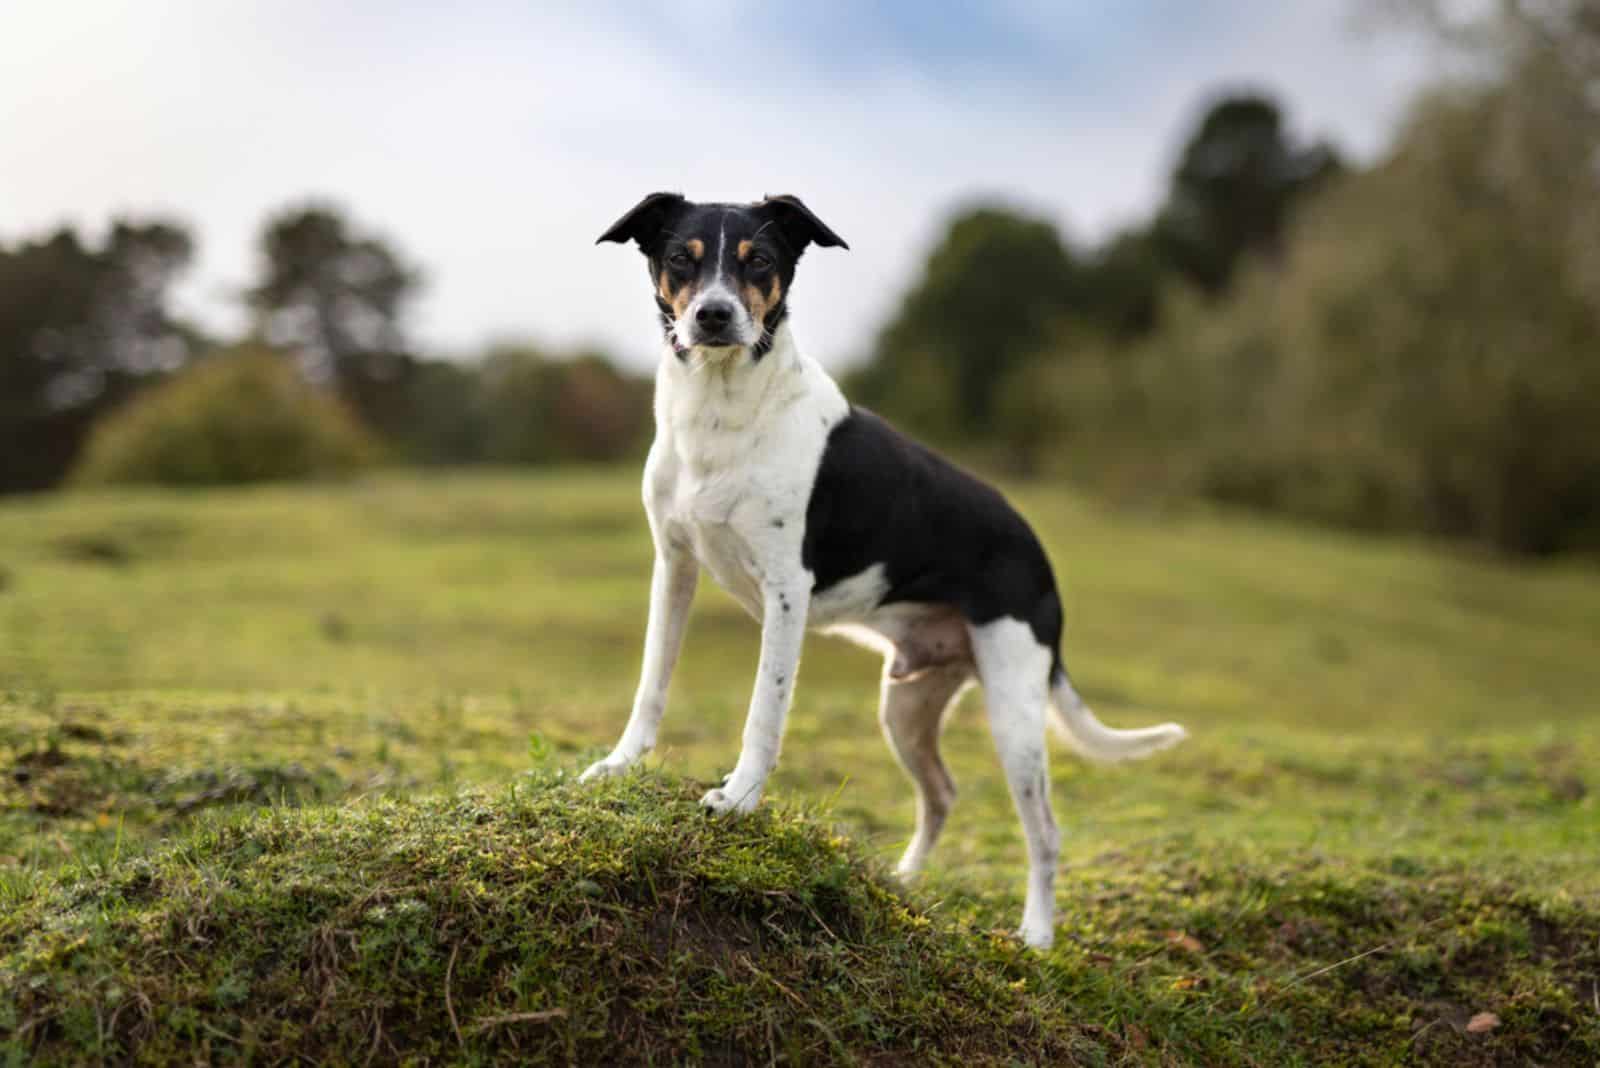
(273,759)
(603,926)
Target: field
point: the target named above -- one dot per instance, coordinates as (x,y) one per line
(1379,845)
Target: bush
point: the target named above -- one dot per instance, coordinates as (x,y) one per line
(520,404)
(538,409)
(242,416)
(444,414)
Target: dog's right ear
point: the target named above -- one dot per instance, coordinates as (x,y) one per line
(643,224)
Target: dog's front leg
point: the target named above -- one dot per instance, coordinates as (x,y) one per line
(671,592)
(783,630)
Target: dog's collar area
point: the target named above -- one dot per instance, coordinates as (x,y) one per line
(769,330)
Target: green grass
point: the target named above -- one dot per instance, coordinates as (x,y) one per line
(613,924)
(249,706)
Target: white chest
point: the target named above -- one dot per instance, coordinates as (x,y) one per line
(721,519)
(736,454)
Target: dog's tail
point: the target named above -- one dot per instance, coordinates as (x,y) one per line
(1079,728)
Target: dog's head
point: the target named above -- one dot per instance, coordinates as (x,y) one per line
(721,272)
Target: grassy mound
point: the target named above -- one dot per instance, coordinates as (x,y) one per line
(620,924)
(603,926)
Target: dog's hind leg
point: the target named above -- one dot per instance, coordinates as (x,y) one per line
(1015,671)
(911,711)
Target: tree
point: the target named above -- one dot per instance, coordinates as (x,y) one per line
(1002,293)
(1426,356)
(1232,189)
(989,298)
(1123,283)
(338,297)
(80,328)
(1544,147)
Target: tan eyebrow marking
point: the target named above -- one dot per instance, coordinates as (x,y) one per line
(744,250)
(760,304)
(679,301)
(697,248)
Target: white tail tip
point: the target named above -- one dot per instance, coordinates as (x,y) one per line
(1094,740)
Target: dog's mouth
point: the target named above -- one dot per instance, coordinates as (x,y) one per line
(723,339)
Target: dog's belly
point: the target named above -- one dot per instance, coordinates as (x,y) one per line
(912,636)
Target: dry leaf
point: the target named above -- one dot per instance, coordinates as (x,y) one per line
(1186,941)
(1483,1021)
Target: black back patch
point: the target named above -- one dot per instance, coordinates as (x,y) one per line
(942,535)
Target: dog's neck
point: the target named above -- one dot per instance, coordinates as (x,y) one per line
(707,404)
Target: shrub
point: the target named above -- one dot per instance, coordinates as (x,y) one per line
(242,416)
(538,409)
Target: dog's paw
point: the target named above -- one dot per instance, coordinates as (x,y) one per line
(605,769)
(724,802)
(907,871)
(1039,936)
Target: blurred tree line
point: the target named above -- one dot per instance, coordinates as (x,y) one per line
(1413,346)
(80,329)
(1001,291)
(98,374)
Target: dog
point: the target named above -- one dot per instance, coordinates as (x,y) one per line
(815,514)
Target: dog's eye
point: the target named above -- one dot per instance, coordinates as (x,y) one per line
(679,260)
(758,262)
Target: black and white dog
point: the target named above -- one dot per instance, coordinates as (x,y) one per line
(812,513)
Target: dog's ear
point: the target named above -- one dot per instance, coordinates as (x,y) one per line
(800,227)
(644,222)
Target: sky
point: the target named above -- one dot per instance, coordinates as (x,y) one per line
(492,142)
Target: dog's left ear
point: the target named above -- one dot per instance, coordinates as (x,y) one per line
(644,222)
(800,227)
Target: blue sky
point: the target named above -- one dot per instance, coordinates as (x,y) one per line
(493,141)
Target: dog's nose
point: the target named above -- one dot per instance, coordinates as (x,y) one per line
(714,316)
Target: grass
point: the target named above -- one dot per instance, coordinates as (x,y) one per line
(247,711)
(539,923)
